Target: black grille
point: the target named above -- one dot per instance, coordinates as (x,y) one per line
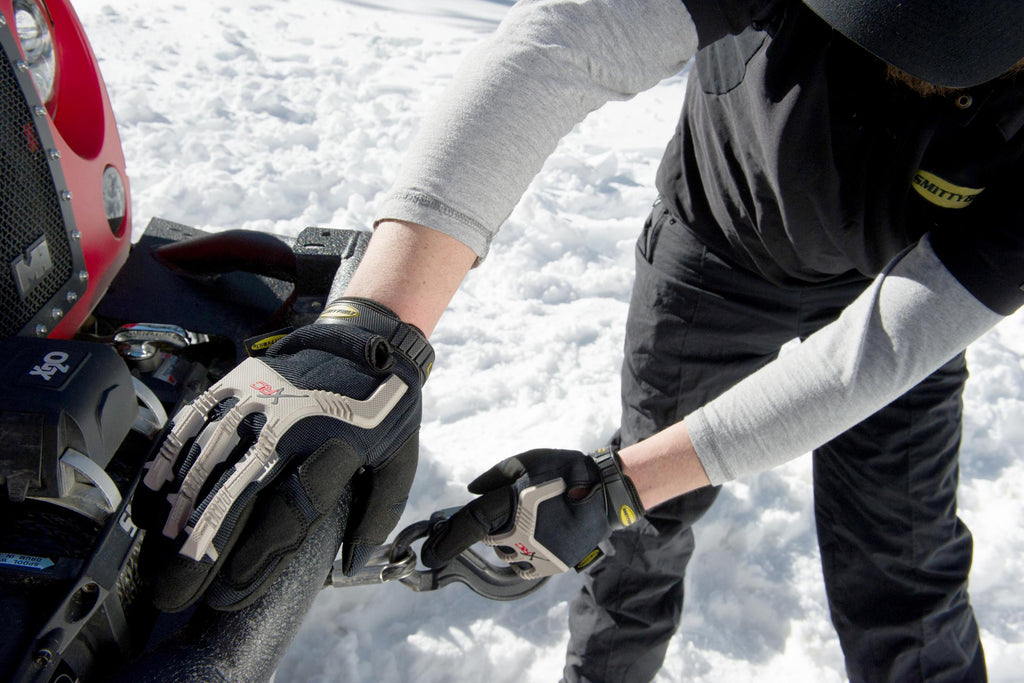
(29,210)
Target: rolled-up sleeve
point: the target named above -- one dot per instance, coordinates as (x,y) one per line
(548,65)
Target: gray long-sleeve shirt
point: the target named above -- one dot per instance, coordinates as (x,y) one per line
(553,61)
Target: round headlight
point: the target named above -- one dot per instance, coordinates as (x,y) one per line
(115,201)
(37,44)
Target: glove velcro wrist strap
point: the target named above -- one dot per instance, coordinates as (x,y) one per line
(405,339)
(623,501)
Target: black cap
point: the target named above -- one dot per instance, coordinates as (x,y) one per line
(952,43)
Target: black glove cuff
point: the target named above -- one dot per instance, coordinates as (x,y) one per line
(405,339)
(622,500)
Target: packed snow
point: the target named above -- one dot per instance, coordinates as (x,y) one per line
(279,115)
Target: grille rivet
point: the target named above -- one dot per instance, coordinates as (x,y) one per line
(3,20)
(39,110)
(21,65)
(66,195)
(54,154)
(56,313)
(83,276)
(71,297)
(75,234)
(41,330)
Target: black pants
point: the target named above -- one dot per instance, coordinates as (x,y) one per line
(895,557)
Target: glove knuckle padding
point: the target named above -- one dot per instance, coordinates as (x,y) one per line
(316,462)
(568,527)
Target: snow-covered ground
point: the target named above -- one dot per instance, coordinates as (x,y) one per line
(279,115)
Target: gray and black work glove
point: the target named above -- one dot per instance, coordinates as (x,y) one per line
(255,463)
(544,511)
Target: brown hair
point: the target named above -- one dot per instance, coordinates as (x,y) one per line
(926,89)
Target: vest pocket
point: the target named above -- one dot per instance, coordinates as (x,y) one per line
(722,65)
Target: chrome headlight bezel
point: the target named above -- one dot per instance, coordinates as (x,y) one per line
(37,45)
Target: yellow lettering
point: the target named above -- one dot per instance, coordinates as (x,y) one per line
(267,343)
(593,555)
(942,192)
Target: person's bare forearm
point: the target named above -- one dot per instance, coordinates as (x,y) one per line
(663,466)
(412,270)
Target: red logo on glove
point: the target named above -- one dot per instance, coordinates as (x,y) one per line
(267,391)
(524,550)
(263,388)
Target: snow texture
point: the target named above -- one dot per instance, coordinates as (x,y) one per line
(280,115)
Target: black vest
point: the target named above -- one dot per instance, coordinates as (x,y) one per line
(797,158)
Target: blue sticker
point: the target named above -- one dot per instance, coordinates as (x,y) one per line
(25,561)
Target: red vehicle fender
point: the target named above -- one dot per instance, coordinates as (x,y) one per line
(80,119)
